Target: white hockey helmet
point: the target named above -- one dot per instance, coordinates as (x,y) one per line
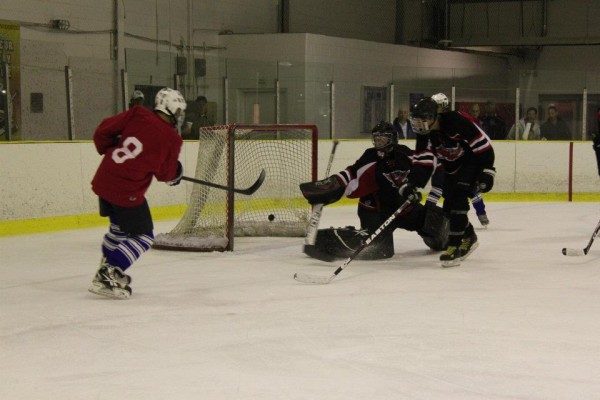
(137,94)
(171,102)
(442,100)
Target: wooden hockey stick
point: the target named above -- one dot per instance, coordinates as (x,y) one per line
(248,190)
(321,280)
(317,210)
(582,252)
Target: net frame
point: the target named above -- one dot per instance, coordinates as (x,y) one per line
(293,213)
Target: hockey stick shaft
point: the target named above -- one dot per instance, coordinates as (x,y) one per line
(331,156)
(317,210)
(247,191)
(580,252)
(313,225)
(307,278)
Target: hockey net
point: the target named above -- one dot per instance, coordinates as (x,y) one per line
(235,155)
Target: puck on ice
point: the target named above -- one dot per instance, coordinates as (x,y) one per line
(271,217)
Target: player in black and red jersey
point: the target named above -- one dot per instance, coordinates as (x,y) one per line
(375,179)
(467,155)
(437,180)
(138,145)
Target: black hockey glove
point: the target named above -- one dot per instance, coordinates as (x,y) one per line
(326,191)
(410,193)
(177,179)
(485,180)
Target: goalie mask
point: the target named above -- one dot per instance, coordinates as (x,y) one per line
(383,135)
(423,115)
(171,102)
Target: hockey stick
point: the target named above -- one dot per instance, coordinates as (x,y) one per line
(315,217)
(248,190)
(321,280)
(582,252)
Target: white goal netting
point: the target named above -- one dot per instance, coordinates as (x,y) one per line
(235,155)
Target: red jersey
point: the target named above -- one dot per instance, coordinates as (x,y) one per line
(148,146)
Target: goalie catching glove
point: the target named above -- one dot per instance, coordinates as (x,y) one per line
(485,181)
(325,191)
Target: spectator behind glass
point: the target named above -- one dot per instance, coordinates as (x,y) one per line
(402,126)
(196,117)
(137,99)
(492,124)
(529,127)
(474,111)
(555,128)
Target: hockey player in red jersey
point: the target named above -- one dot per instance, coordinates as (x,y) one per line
(137,145)
(374,179)
(467,155)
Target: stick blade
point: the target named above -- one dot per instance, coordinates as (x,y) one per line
(312,279)
(256,185)
(573,252)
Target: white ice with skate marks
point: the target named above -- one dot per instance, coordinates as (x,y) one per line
(517,319)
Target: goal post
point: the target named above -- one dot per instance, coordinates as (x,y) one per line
(234,156)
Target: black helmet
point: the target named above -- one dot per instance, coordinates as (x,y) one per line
(425,108)
(384,129)
(420,113)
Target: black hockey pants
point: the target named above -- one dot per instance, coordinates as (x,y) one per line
(456,207)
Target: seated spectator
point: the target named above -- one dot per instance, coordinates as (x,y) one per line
(528,127)
(555,128)
(402,126)
(475,111)
(492,124)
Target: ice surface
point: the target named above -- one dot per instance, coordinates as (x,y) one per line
(517,320)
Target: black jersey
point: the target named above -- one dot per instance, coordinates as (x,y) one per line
(376,176)
(596,145)
(458,141)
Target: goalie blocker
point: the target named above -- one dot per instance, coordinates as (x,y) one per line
(338,243)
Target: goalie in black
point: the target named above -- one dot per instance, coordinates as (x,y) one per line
(377,179)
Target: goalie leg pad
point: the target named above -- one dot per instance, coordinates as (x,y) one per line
(338,243)
(435,228)
(326,191)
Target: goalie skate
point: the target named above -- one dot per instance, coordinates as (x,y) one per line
(110,281)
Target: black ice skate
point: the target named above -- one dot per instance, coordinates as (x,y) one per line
(483,220)
(451,257)
(112,282)
(468,245)
(120,277)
